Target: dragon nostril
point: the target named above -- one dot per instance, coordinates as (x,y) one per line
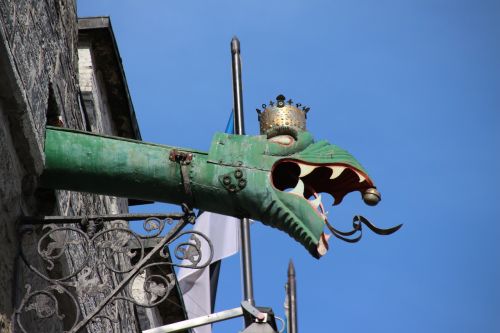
(371,197)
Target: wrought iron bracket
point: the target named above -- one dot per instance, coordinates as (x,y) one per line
(99,250)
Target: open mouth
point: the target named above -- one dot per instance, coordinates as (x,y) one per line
(306,182)
(310,180)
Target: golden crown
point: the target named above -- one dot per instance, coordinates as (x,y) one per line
(282,113)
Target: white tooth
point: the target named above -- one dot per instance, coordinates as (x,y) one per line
(361,177)
(299,189)
(336,171)
(316,202)
(306,169)
(323,244)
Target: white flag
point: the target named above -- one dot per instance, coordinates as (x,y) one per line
(224,233)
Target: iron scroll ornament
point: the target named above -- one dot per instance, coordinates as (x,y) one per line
(99,249)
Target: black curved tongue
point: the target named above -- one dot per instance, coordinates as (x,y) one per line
(357,223)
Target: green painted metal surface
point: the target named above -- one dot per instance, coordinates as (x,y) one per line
(242,176)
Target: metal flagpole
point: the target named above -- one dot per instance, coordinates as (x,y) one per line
(239,128)
(292,299)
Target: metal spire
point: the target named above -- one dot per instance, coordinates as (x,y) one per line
(292,299)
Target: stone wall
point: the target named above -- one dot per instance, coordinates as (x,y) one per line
(38,77)
(37,49)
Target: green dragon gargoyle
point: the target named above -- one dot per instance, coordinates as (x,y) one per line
(267,177)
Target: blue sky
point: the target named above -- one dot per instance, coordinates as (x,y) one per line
(410,88)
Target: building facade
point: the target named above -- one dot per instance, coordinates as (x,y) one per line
(61,71)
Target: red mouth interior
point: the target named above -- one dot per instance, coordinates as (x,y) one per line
(285,175)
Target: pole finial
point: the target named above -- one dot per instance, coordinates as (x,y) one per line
(235,45)
(291,268)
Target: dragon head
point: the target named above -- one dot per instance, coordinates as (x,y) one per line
(278,179)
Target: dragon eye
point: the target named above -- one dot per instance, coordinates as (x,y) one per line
(284,140)
(283,135)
